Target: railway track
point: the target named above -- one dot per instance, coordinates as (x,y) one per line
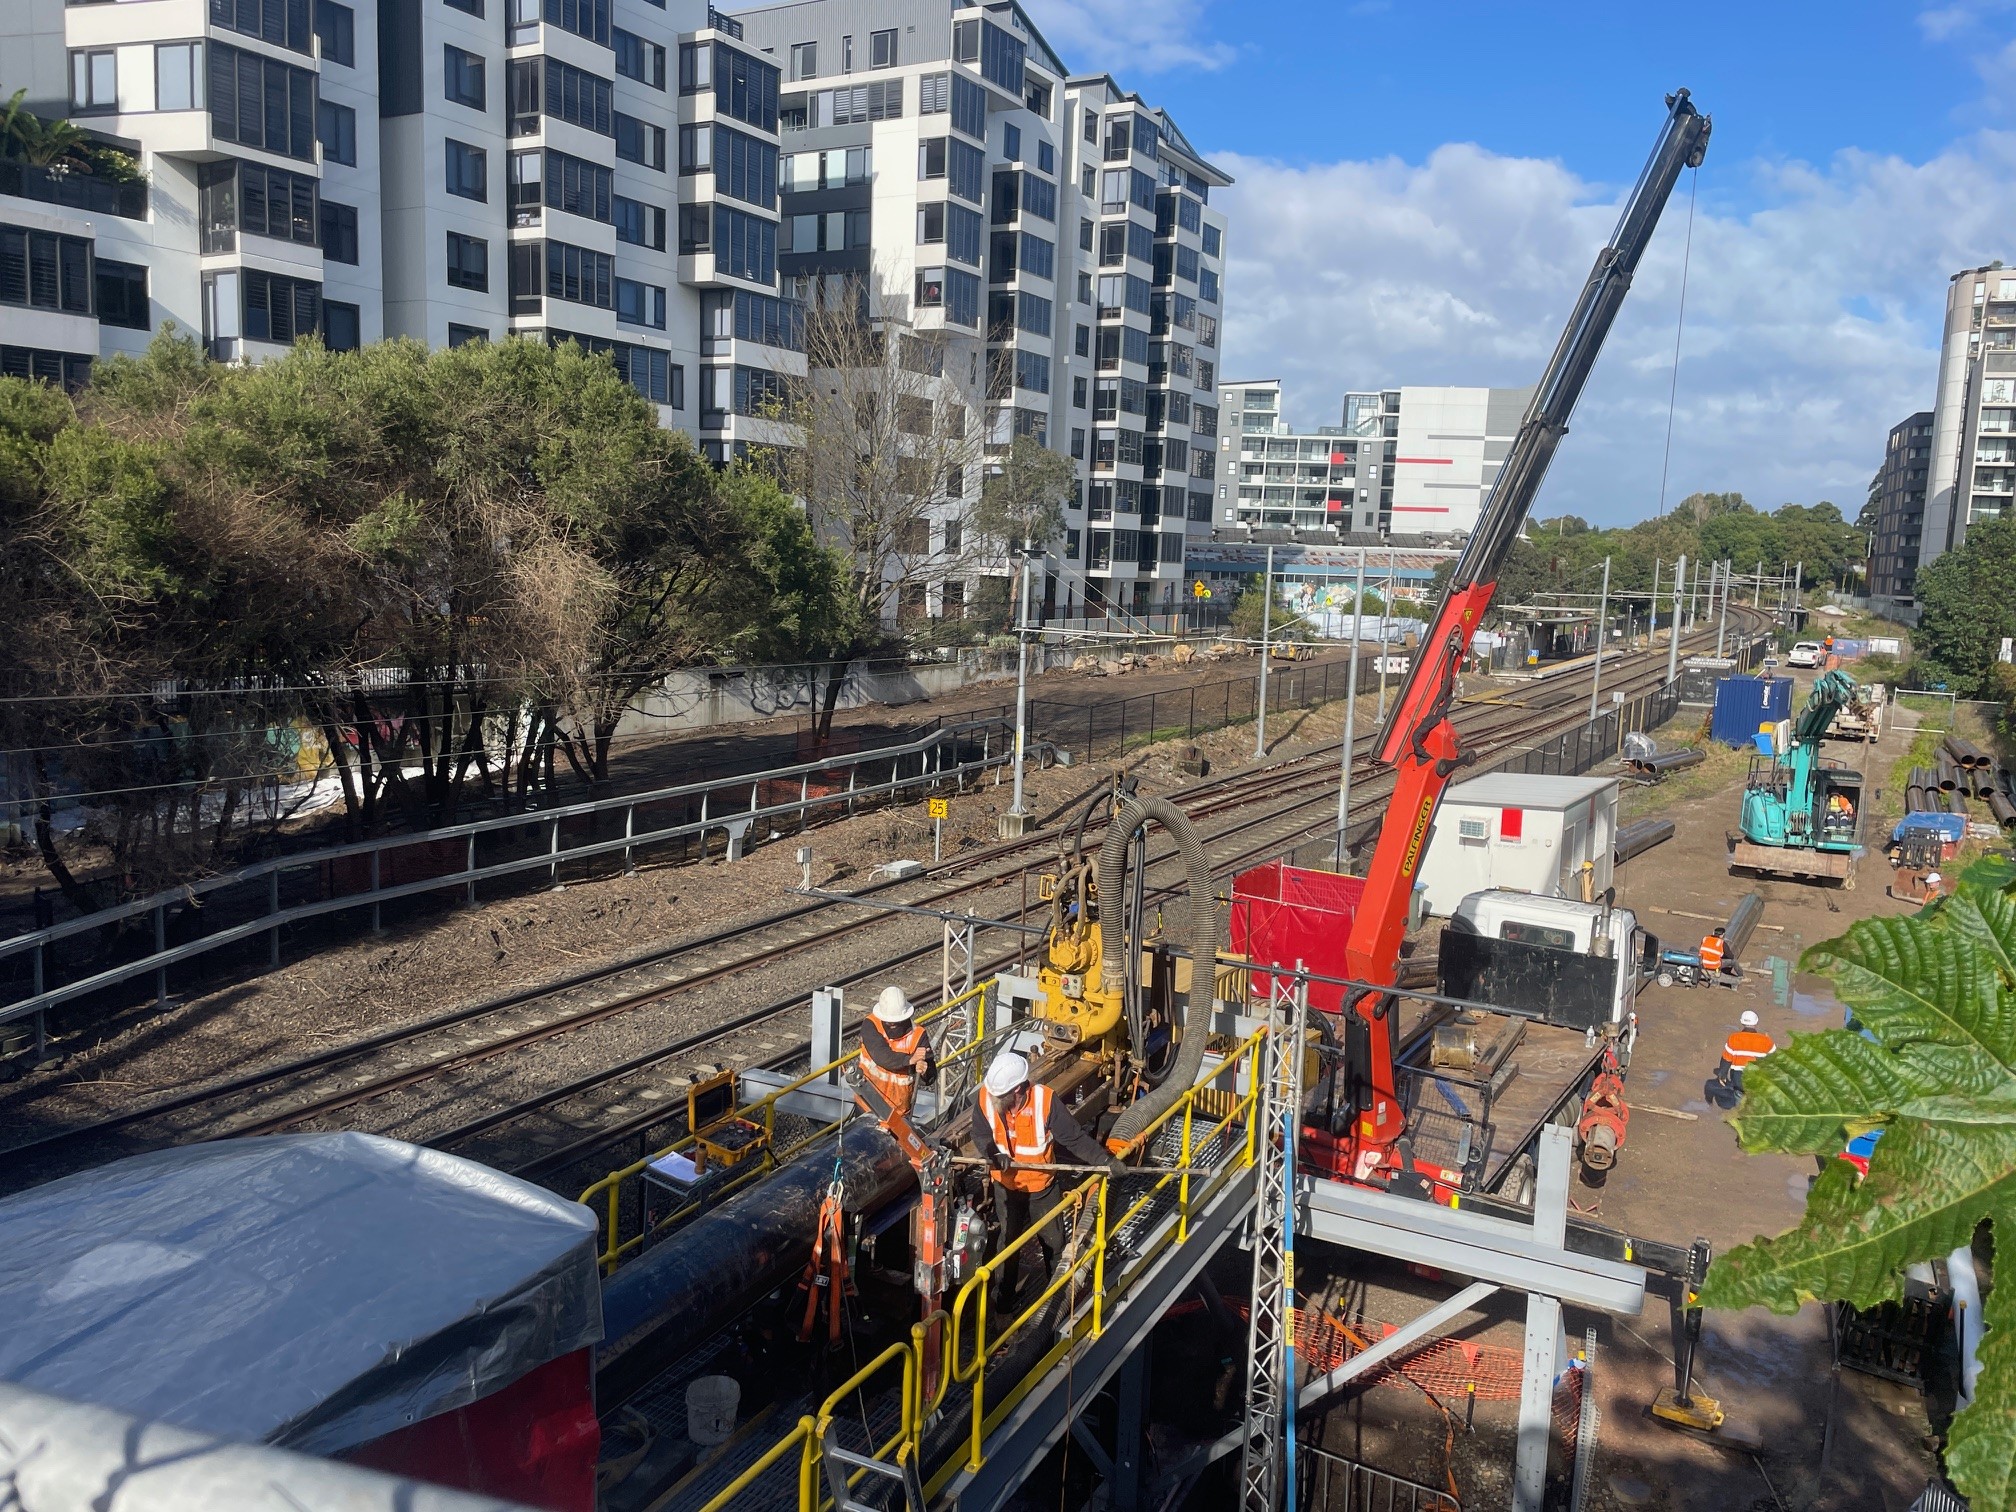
(1293,798)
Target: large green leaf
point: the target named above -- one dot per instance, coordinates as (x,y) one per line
(1936,993)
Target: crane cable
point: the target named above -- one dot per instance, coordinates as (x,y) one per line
(1673,392)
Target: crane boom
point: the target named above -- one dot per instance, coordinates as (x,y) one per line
(1419,739)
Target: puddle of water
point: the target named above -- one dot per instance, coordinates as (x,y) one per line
(1695,1105)
(1819,1003)
(1797,1183)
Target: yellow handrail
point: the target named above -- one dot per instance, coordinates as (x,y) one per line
(609,1189)
(971,1303)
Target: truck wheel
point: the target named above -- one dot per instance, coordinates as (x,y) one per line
(1517,1185)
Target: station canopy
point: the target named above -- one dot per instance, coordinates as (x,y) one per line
(312,1291)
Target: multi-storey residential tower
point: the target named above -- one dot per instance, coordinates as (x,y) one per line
(1897,493)
(1971,476)
(661,182)
(1409,461)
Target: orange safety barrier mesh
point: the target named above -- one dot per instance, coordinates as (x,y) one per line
(1445,1368)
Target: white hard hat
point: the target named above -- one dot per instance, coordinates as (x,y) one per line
(892,1007)
(1749,1019)
(1932,877)
(1007,1073)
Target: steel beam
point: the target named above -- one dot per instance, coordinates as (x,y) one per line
(1544,1349)
(1394,1343)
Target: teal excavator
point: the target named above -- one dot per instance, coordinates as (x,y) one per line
(1802,814)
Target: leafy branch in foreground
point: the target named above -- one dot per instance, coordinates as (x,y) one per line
(1936,1072)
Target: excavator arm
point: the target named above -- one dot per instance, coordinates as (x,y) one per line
(1420,740)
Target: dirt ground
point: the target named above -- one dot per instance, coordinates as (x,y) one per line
(1832,1443)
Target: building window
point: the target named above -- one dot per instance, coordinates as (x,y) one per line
(930,223)
(578,186)
(639,224)
(1212,241)
(931,157)
(882,49)
(122,295)
(473,8)
(462,78)
(468,171)
(1011,142)
(336,130)
(638,59)
(339,232)
(584,18)
(462,335)
(965,169)
(640,304)
(264,103)
(744,246)
(804,60)
(342,326)
(468,262)
(580,275)
(279,309)
(639,143)
(571,94)
(934,94)
(336,30)
(178,76)
(963,231)
(284,23)
(1046,158)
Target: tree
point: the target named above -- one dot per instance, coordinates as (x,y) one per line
(1250,617)
(807,604)
(883,452)
(1936,1076)
(1967,603)
(1022,500)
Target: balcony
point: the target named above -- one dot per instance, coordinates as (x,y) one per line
(74,191)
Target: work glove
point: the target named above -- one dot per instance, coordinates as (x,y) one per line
(1116,1168)
(998,1161)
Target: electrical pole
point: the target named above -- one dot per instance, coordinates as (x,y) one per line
(1693,596)
(1798,585)
(1757,594)
(1386,620)
(1602,631)
(1673,634)
(1652,620)
(1350,712)
(1722,628)
(1266,630)
(1017,816)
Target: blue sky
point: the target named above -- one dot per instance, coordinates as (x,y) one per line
(1422,188)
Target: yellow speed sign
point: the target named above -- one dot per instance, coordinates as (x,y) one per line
(938,808)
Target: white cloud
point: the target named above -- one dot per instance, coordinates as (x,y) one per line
(1128,37)
(1812,325)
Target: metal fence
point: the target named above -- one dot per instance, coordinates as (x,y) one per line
(257,905)
(1326,1482)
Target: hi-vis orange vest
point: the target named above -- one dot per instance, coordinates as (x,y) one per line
(1745,1046)
(899,1088)
(1024,1137)
(1711,953)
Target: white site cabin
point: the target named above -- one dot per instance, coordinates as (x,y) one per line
(1530,834)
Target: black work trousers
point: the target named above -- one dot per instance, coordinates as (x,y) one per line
(1019,1210)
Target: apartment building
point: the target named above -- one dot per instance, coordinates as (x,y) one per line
(661,182)
(1411,461)
(1897,499)
(1972,471)
(1053,229)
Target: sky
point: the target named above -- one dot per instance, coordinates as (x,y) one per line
(1422,186)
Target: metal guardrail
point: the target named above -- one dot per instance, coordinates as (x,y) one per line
(1094,1281)
(731,805)
(1327,1482)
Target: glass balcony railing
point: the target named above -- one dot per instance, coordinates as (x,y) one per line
(74,191)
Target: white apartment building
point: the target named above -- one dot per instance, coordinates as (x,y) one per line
(1411,461)
(1973,463)
(661,182)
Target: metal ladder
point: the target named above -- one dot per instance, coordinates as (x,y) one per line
(901,1476)
(1266,1474)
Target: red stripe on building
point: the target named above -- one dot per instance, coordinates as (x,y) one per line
(1429,461)
(1420,509)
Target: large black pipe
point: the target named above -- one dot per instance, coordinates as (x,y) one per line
(1949,774)
(1743,922)
(1672,761)
(2003,810)
(1635,839)
(674,1297)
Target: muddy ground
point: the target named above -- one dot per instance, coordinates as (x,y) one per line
(1832,1442)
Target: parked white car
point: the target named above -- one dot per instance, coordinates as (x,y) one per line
(1807,654)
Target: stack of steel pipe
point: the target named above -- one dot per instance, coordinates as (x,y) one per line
(1965,753)
(1671,761)
(2000,804)
(1916,800)
(1948,772)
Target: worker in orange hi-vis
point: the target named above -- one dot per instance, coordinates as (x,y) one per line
(1714,948)
(1743,1049)
(895,1051)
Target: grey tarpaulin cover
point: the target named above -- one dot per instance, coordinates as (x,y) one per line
(314,1291)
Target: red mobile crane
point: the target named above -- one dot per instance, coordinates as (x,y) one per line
(1419,739)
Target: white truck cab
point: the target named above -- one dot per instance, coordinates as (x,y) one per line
(1571,963)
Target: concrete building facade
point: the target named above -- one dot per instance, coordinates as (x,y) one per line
(1411,461)
(1972,471)
(1897,494)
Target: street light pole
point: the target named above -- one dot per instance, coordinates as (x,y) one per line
(1385,620)
(1722,625)
(1602,634)
(1350,713)
(1018,816)
(1266,631)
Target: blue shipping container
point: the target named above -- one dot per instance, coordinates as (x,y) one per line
(1743,705)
